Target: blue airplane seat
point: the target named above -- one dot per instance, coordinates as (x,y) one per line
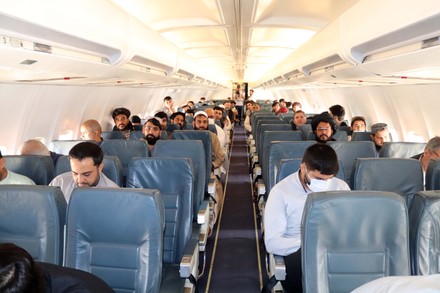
(402,176)
(174,179)
(63,146)
(171,127)
(106,135)
(136,134)
(33,218)
(117,235)
(38,168)
(112,168)
(424,230)
(400,149)
(361,136)
(212,128)
(374,242)
(432,177)
(349,151)
(125,150)
(272,127)
(305,129)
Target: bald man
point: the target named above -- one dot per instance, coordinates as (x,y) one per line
(91,130)
(37,148)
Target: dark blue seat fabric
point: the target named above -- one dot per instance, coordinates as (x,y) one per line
(173,177)
(171,127)
(272,127)
(349,151)
(432,177)
(106,135)
(125,150)
(352,237)
(117,235)
(33,218)
(283,150)
(112,168)
(205,138)
(424,229)
(400,149)
(136,135)
(290,166)
(402,176)
(361,136)
(38,168)
(305,130)
(194,150)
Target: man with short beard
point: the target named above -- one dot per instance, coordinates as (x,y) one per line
(324,127)
(151,131)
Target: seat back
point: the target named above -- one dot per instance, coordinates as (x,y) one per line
(338,136)
(33,218)
(271,127)
(305,130)
(349,151)
(136,134)
(352,237)
(402,176)
(63,146)
(290,166)
(106,135)
(171,127)
(117,235)
(205,138)
(424,229)
(125,150)
(266,140)
(112,168)
(400,149)
(194,150)
(174,179)
(283,150)
(38,168)
(432,177)
(361,136)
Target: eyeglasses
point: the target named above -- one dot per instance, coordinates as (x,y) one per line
(322,128)
(154,128)
(438,156)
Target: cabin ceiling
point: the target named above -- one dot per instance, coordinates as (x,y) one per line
(236,40)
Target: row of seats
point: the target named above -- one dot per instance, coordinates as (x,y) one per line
(363,236)
(108,231)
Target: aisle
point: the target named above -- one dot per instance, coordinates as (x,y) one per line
(233,261)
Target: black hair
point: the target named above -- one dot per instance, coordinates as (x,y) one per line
(155,122)
(167,98)
(87,149)
(136,119)
(322,158)
(161,115)
(339,111)
(219,108)
(19,272)
(324,117)
(177,114)
(119,111)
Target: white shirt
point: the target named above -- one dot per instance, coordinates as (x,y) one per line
(14,178)
(67,185)
(283,213)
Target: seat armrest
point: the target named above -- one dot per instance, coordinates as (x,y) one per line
(277,267)
(203,213)
(211,186)
(190,259)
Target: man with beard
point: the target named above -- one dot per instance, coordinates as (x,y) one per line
(178,118)
(122,122)
(86,165)
(324,127)
(151,131)
(201,123)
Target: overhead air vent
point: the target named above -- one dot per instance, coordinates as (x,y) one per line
(28,62)
(42,48)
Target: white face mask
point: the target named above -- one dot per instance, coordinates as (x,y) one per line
(316,185)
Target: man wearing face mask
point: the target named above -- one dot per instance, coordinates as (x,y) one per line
(285,205)
(151,131)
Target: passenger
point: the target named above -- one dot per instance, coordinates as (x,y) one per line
(201,123)
(152,130)
(296,106)
(9,177)
(189,113)
(122,122)
(324,127)
(35,147)
(249,104)
(379,134)
(358,124)
(247,121)
(191,105)
(283,108)
(299,118)
(251,93)
(221,135)
(431,152)
(136,121)
(225,123)
(179,119)
(218,115)
(91,130)
(168,106)
(20,273)
(239,100)
(229,112)
(86,165)
(337,112)
(285,205)
(164,122)
(275,107)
